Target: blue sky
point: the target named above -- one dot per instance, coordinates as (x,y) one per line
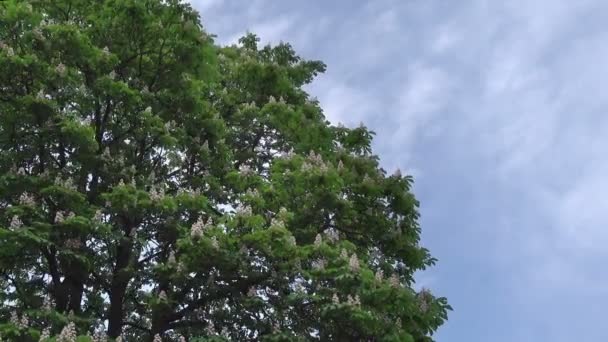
(498,110)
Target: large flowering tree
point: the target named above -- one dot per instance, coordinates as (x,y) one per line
(156,186)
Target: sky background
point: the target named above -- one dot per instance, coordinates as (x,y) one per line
(498,109)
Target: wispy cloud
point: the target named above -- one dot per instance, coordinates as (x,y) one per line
(498,106)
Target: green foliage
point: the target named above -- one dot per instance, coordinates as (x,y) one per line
(156,184)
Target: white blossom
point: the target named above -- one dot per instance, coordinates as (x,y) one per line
(245,170)
(162,295)
(112,74)
(394,280)
(46,334)
(16,223)
(14,318)
(318,264)
(71,215)
(318,240)
(306,167)
(199,227)
(214,242)
(21,171)
(24,323)
(182,338)
(332,235)
(59,218)
(354,301)
(171,259)
(68,333)
(379,275)
(47,304)
(353,263)
(148,110)
(335,299)
(157,338)
(157,195)
(10,52)
(340,166)
(343,254)
(251,292)
(40,95)
(243,210)
(100,336)
(105,50)
(291,240)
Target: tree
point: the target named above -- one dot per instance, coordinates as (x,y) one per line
(157,186)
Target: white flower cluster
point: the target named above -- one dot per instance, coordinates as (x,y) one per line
(318,264)
(379,275)
(243,210)
(277,222)
(47,304)
(9,50)
(68,183)
(332,235)
(162,295)
(214,243)
(424,297)
(157,338)
(245,170)
(314,161)
(291,240)
(353,301)
(98,217)
(353,263)
(68,333)
(252,193)
(344,254)
(335,299)
(14,318)
(59,218)
(171,259)
(157,194)
(199,227)
(100,336)
(318,241)
(21,171)
(26,199)
(16,223)
(287,155)
(106,154)
(46,334)
(394,280)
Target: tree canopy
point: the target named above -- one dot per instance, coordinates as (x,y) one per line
(155,186)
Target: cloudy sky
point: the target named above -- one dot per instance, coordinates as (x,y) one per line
(496,108)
